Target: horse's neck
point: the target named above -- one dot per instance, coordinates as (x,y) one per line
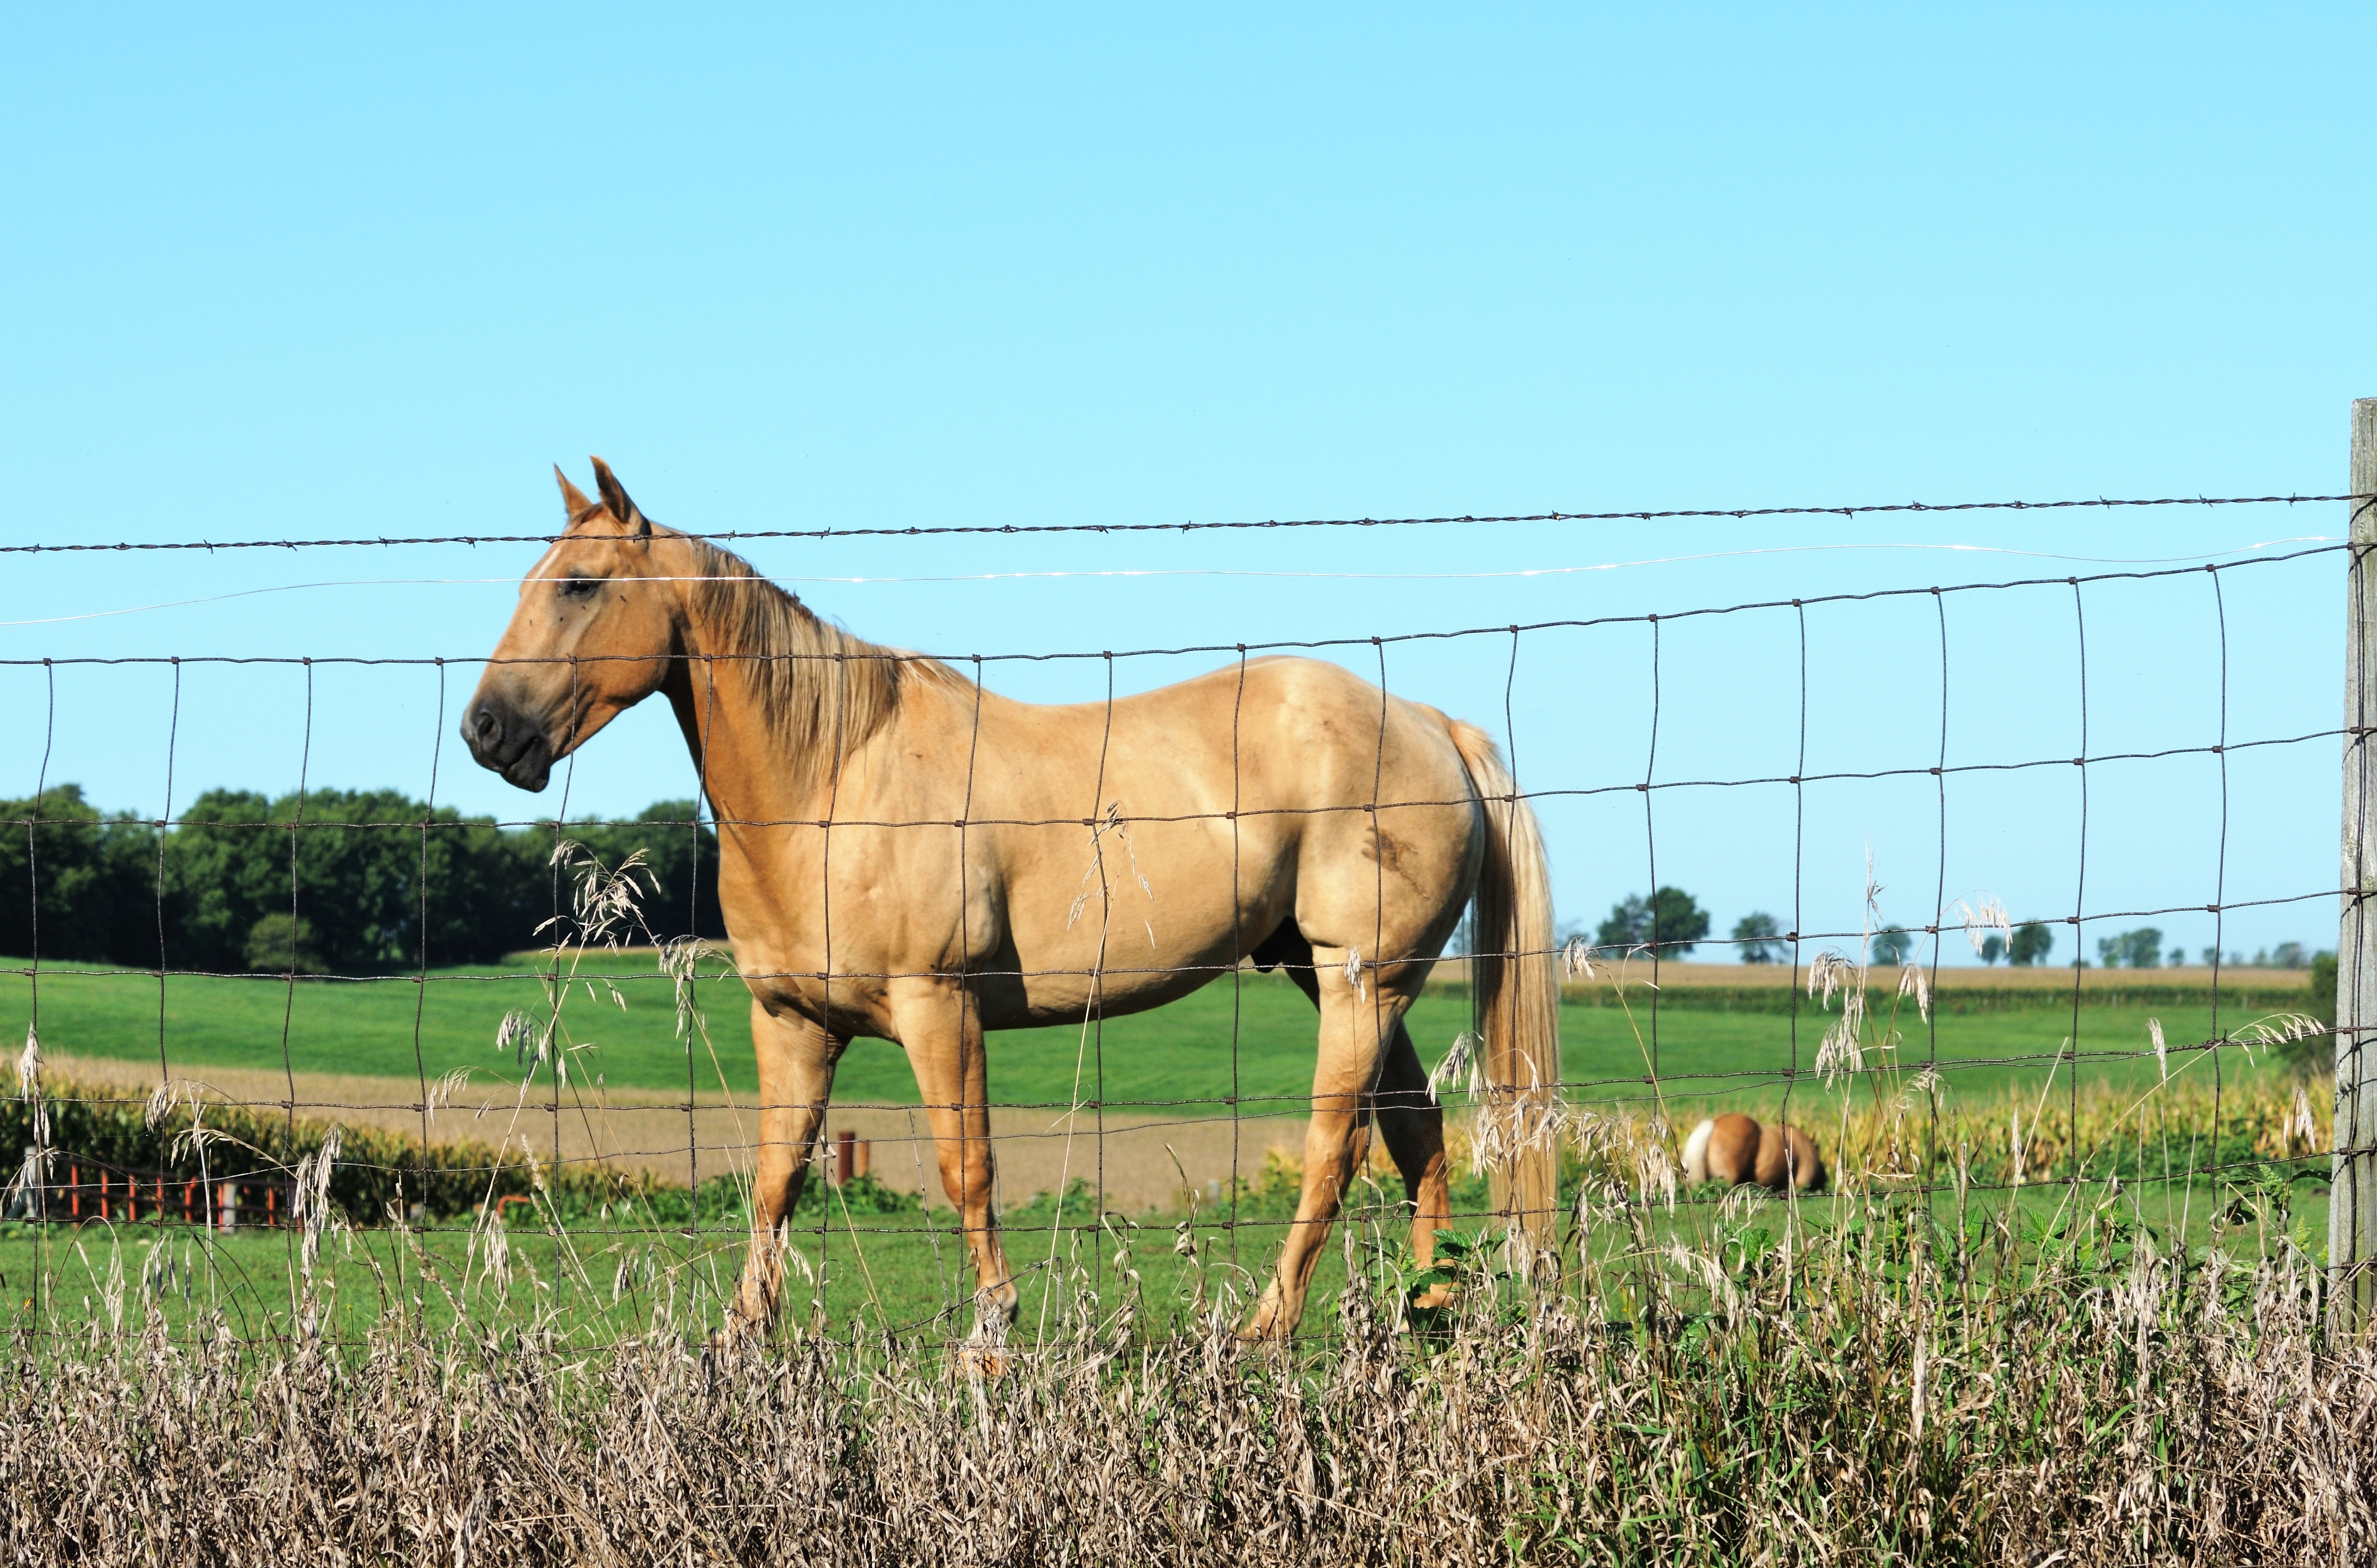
(735,748)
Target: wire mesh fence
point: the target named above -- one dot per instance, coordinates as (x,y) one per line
(925,1002)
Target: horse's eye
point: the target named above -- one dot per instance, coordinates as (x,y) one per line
(579,587)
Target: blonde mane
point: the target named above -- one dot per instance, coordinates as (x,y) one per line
(822,692)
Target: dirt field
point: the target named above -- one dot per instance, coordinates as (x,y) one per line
(1037,1151)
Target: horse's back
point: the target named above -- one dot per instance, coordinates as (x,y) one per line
(1226,804)
(1299,734)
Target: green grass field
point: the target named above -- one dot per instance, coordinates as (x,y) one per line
(900,1269)
(1261,1036)
(898,1273)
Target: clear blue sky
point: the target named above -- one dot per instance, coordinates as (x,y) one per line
(291,272)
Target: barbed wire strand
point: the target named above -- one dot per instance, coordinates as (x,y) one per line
(1737,514)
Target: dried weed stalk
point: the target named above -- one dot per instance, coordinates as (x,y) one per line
(1986,1396)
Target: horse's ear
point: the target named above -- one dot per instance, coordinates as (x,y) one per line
(573,500)
(615,496)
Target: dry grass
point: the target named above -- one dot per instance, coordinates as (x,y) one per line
(1868,1377)
(1870,1388)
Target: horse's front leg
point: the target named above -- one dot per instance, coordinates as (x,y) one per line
(942,1033)
(796,1063)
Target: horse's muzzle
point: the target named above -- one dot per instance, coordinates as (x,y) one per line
(504,743)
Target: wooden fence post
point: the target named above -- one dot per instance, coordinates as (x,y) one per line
(2352,1209)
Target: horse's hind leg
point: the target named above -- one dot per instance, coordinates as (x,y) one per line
(1412,1124)
(1354,1028)
(1409,1120)
(796,1063)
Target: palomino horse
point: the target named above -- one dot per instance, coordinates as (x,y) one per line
(1734,1149)
(906,855)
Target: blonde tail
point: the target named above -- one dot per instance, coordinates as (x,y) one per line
(1515,993)
(1696,1170)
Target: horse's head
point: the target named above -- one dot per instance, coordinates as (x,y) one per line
(599,617)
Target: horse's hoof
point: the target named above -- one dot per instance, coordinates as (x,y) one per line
(1261,1329)
(733,1338)
(981,1360)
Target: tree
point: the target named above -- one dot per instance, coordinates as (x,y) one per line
(378,880)
(1629,924)
(2178,957)
(1992,948)
(2139,949)
(2032,940)
(362,868)
(1678,923)
(1668,919)
(1756,936)
(1891,945)
(96,878)
(2322,987)
(2288,955)
(272,950)
(2314,1053)
(682,852)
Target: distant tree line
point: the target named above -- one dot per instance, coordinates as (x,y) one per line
(382,881)
(1671,921)
(2142,949)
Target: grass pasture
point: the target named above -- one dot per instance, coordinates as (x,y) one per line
(1721,1038)
(1251,1041)
(572,1250)
(892,1268)
(1158,1090)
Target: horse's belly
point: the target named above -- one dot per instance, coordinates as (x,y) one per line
(1070,999)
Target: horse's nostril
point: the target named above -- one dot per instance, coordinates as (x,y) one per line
(484,726)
